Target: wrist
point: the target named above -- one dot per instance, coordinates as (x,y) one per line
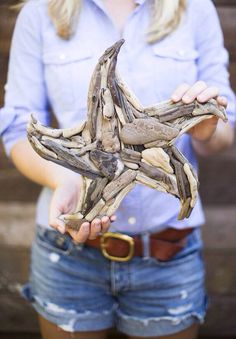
(64,177)
(201,147)
(221,139)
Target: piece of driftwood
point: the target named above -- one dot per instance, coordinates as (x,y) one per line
(123,143)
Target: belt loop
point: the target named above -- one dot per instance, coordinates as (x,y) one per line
(145,238)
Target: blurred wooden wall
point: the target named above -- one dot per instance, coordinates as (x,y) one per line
(218,190)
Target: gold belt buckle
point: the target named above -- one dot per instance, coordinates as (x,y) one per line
(124,237)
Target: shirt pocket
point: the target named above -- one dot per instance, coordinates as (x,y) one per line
(67,75)
(174,66)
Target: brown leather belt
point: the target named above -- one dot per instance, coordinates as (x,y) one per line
(121,247)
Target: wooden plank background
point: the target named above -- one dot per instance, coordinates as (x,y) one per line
(217,177)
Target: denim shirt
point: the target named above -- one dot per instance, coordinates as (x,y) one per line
(45,70)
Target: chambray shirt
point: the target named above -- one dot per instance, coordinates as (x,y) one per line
(45,71)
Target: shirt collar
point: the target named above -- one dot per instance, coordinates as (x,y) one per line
(140,2)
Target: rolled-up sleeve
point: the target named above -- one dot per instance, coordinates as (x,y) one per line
(25,90)
(213,57)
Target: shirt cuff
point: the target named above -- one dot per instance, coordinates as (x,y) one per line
(7,116)
(13,125)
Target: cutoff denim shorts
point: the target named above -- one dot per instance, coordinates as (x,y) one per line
(78,289)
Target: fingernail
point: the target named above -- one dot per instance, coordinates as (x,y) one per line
(174,97)
(186,98)
(61,229)
(200,98)
(84,228)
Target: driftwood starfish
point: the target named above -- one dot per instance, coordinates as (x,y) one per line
(123,143)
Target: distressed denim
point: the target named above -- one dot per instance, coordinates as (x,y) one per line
(78,289)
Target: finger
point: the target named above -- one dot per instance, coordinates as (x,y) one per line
(105,223)
(204,130)
(194,91)
(179,92)
(81,235)
(222,101)
(58,225)
(54,220)
(207,94)
(113,218)
(95,228)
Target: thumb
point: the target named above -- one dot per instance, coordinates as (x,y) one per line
(54,218)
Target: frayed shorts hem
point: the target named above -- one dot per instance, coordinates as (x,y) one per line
(161,326)
(71,321)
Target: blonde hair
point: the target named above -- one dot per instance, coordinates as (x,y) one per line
(165,16)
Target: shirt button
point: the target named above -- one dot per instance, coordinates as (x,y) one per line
(181,52)
(62,56)
(132,220)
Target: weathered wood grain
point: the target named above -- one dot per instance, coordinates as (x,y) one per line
(112,135)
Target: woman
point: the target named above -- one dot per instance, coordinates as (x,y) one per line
(173,49)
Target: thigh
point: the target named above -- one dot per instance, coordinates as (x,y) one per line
(51,331)
(189,333)
(69,285)
(163,298)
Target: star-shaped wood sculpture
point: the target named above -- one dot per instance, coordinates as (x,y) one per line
(123,143)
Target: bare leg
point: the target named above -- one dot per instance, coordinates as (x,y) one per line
(52,331)
(189,333)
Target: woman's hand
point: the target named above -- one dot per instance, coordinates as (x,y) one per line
(205,129)
(64,200)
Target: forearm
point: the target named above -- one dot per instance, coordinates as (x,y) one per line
(220,140)
(41,171)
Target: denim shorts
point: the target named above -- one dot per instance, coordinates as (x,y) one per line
(78,289)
